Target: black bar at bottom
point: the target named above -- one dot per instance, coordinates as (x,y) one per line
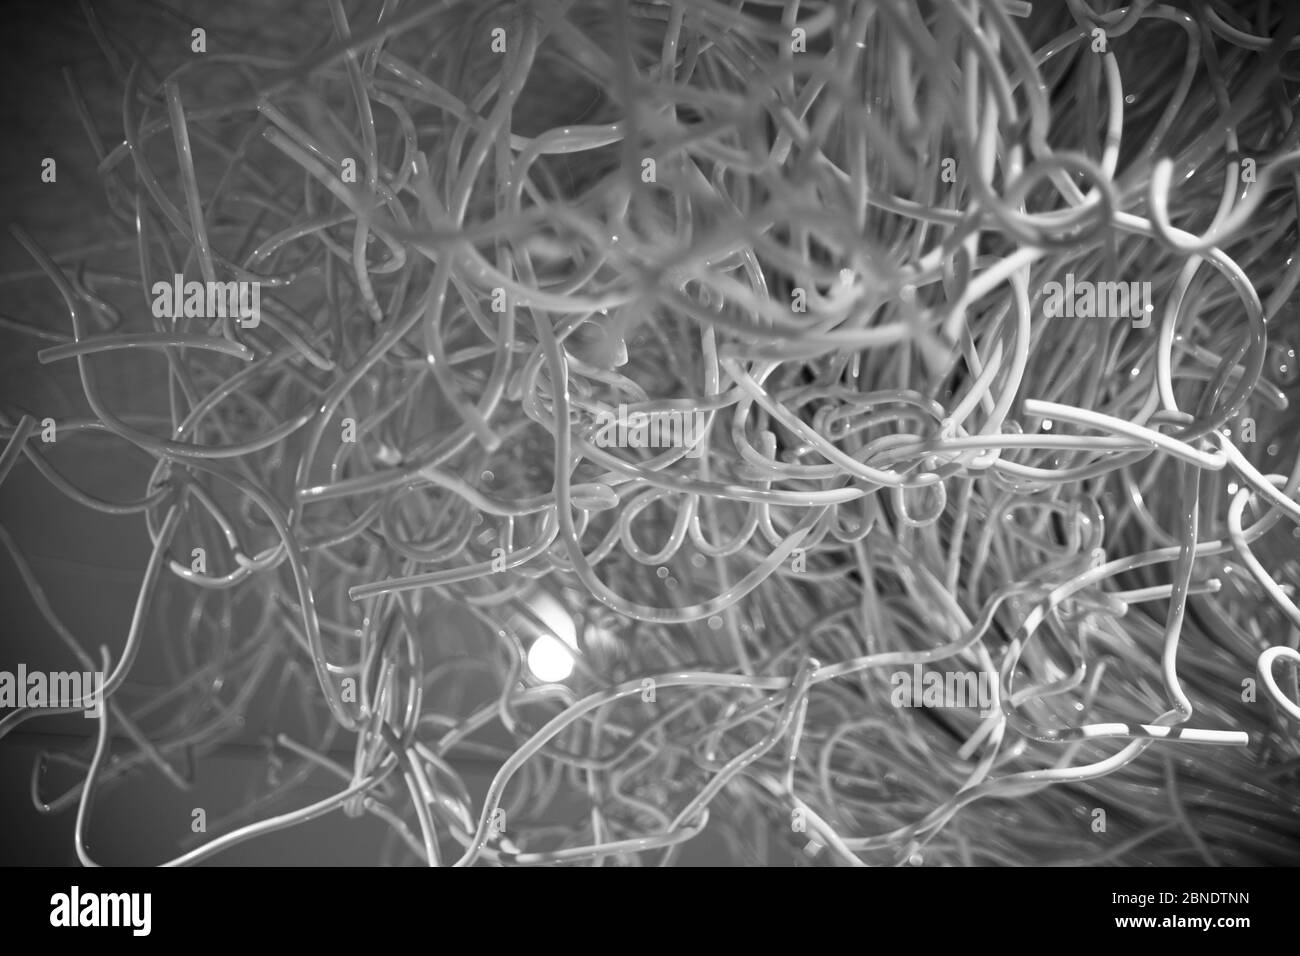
(337,907)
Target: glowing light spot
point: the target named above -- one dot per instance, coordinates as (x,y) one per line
(551,655)
(549,659)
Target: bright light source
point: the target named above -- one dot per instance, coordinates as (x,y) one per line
(549,659)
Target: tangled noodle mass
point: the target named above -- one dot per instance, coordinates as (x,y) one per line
(832,235)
